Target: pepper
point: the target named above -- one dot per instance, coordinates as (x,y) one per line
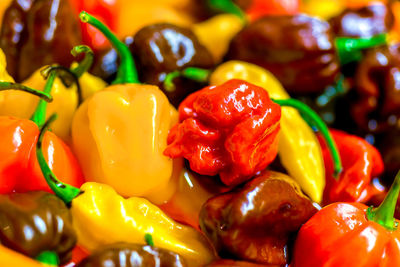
(101,216)
(228,263)
(37,33)
(253,223)
(217,32)
(361,163)
(126,254)
(9,257)
(230,130)
(298,148)
(4,76)
(324,9)
(66,97)
(36,222)
(3,6)
(105,133)
(351,234)
(19,170)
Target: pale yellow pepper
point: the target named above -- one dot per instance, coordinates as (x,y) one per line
(101,216)
(217,32)
(299,149)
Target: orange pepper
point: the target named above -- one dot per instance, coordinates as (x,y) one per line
(10,258)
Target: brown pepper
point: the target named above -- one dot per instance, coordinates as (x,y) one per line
(35,33)
(254,223)
(377,83)
(132,255)
(299,50)
(364,22)
(34,222)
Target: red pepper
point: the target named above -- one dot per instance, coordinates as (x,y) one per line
(351,234)
(230,130)
(361,163)
(19,168)
(106,11)
(260,8)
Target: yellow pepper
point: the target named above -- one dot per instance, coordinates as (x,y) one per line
(10,258)
(4,76)
(65,100)
(217,32)
(325,9)
(4,4)
(299,149)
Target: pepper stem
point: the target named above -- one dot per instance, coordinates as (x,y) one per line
(149,239)
(196,74)
(39,116)
(127,72)
(49,258)
(317,122)
(349,49)
(64,191)
(87,61)
(384,214)
(227,6)
(16,86)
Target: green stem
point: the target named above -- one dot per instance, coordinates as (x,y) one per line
(127,72)
(196,74)
(87,61)
(349,49)
(16,86)
(227,6)
(317,122)
(49,258)
(39,116)
(149,239)
(64,191)
(384,214)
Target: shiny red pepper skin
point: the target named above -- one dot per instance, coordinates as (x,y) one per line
(19,168)
(230,130)
(260,8)
(105,11)
(340,235)
(361,163)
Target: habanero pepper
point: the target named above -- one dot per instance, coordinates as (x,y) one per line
(19,169)
(351,234)
(120,133)
(101,216)
(361,163)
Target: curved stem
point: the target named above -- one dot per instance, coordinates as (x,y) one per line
(87,61)
(227,6)
(384,214)
(49,258)
(127,72)
(317,122)
(192,73)
(64,191)
(39,116)
(349,49)
(16,86)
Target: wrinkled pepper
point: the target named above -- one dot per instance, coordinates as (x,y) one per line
(101,216)
(66,97)
(253,223)
(361,163)
(351,234)
(37,33)
(35,223)
(126,254)
(119,134)
(298,149)
(230,129)
(19,169)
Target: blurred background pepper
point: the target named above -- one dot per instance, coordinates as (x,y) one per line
(35,33)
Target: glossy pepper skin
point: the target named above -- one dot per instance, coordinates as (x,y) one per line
(230,129)
(33,222)
(132,255)
(254,223)
(377,83)
(259,8)
(361,163)
(299,50)
(297,141)
(363,22)
(341,235)
(162,48)
(26,40)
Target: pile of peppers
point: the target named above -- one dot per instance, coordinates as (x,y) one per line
(199,133)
